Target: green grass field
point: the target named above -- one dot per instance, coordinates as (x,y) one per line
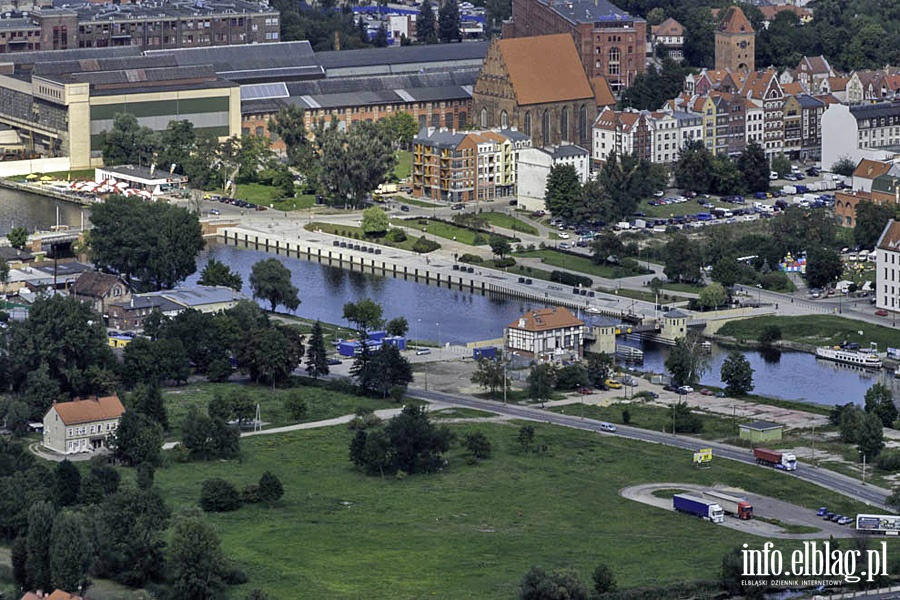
(320,403)
(444,230)
(508,222)
(573,263)
(815,330)
(403,168)
(650,417)
(470,531)
(302,201)
(356,233)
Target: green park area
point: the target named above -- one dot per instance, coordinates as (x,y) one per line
(473,529)
(356,233)
(403,168)
(582,264)
(264,195)
(498,219)
(448,231)
(816,330)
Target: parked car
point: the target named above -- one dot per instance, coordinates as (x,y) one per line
(653,395)
(404,208)
(685,389)
(565,246)
(538,213)
(334,361)
(607,427)
(706,392)
(670,388)
(836,518)
(585,391)
(881,312)
(845,520)
(513,202)
(563,235)
(613,384)
(458,206)
(215,211)
(821,512)
(827,516)
(422,351)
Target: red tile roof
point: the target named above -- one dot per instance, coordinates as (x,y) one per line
(545,319)
(793,89)
(544,69)
(769,12)
(735,21)
(870,169)
(61,595)
(92,409)
(890,237)
(838,84)
(603,94)
(669,27)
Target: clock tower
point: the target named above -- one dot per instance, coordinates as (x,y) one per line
(735,42)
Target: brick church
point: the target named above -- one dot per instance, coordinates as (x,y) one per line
(538,84)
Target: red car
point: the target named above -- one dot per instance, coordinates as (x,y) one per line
(585,390)
(881,312)
(706,392)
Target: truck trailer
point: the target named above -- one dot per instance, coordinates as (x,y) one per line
(732,505)
(779,460)
(705,509)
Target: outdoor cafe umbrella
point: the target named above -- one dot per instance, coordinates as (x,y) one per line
(31,176)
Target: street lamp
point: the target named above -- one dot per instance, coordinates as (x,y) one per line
(417,332)
(864,467)
(439,335)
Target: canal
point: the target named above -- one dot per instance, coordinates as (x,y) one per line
(445,315)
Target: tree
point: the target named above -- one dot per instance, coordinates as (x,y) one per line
(102,481)
(137,439)
(151,362)
(195,560)
(380,39)
(361,369)
(478,445)
(374,221)
(18,237)
(525,437)
(289,124)
(693,170)
(737,374)
(871,436)
(354,162)
(781,164)
(417,444)
(316,353)
(713,296)
(448,22)
(683,419)
(499,245)
(271,280)
(365,314)
(541,380)
(627,179)
(206,438)
(147,399)
(754,168)
(563,188)
(682,259)
(236,405)
(270,488)
(538,584)
(151,258)
(398,326)
(571,377)
(66,483)
(726,271)
(687,361)
(599,366)
(217,495)
(128,143)
(851,422)
(176,145)
(70,552)
(401,128)
(604,579)
(770,333)
(426,24)
(39,540)
(844,166)
(218,273)
(871,219)
(491,374)
(880,401)
(823,266)
(390,370)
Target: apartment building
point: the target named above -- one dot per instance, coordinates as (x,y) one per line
(466,166)
(887,268)
(764,90)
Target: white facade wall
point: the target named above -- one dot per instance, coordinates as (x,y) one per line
(753,130)
(840,136)
(887,279)
(604,144)
(534,168)
(71,439)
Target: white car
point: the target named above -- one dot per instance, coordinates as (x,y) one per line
(604,426)
(563,235)
(773,175)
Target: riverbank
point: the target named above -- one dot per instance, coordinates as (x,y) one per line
(45,191)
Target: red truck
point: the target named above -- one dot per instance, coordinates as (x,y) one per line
(779,460)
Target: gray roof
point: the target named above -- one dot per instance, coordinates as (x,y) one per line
(88,11)
(442,138)
(686,116)
(404,54)
(199,295)
(141,172)
(677,314)
(874,111)
(27,59)
(807,101)
(589,11)
(567,150)
(761,425)
(143,301)
(254,62)
(113,63)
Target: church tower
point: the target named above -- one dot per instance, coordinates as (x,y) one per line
(735,42)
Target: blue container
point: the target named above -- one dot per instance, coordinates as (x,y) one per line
(346,348)
(377,335)
(485,352)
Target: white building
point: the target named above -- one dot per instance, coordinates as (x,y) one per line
(690,128)
(534,169)
(81,425)
(754,123)
(546,334)
(866,131)
(887,268)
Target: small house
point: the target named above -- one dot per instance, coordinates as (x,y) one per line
(761,431)
(81,425)
(546,334)
(100,290)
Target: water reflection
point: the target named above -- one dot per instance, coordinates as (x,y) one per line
(770,355)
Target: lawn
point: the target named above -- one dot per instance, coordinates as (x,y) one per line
(651,417)
(642,295)
(403,168)
(508,222)
(356,233)
(68,175)
(300,202)
(573,263)
(470,531)
(444,230)
(320,403)
(415,202)
(683,287)
(816,330)
(256,193)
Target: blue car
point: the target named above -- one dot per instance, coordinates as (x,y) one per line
(821,512)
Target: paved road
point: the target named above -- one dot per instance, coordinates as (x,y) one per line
(841,484)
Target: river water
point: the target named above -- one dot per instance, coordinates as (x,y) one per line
(445,315)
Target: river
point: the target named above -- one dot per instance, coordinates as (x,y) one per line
(455,316)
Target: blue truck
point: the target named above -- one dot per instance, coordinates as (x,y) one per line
(705,509)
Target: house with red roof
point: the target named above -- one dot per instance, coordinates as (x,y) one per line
(81,425)
(546,334)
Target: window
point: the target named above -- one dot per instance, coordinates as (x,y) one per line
(259,131)
(527,123)
(483,118)
(613,60)
(564,123)
(448,120)
(582,122)
(504,120)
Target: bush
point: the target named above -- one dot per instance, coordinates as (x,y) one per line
(478,445)
(777,282)
(295,406)
(341,385)
(217,495)
(501,263)
(471,259)
(219,370)
(396,235)
(769,334)
(626,416)
(479,240)
(566,278)
(250,495)
(270,488)
(424,246)
(889,460)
